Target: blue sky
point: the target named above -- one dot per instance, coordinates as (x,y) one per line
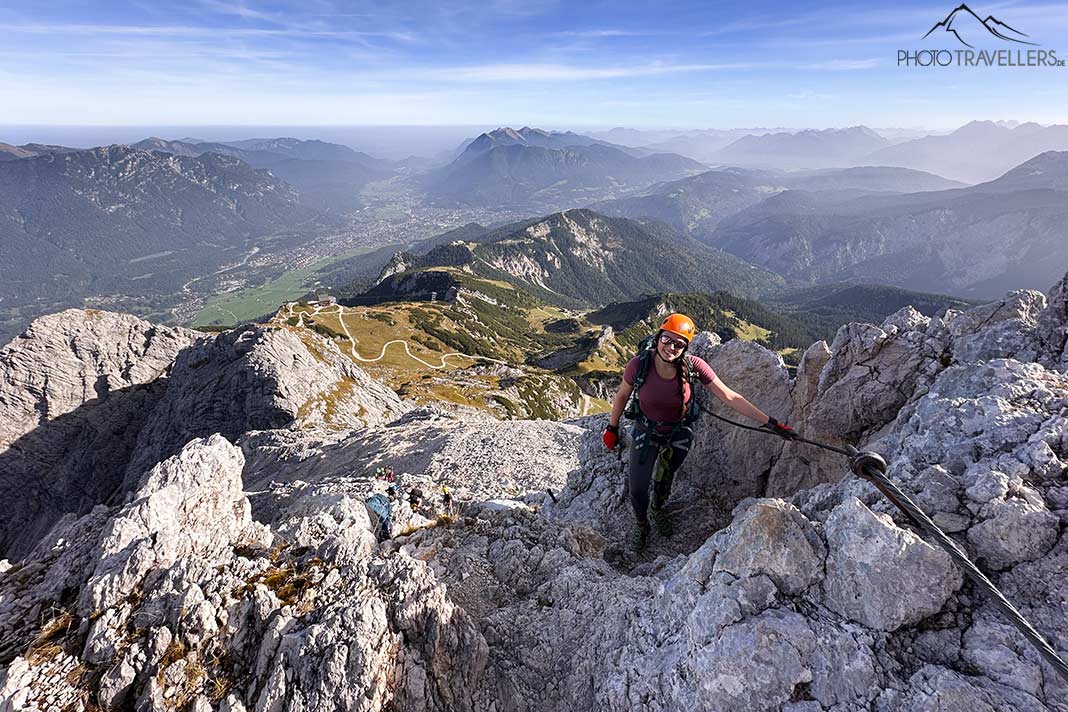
(696,64)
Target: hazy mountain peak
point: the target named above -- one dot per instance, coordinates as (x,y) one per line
(980,125)
(507,132)
(1046,171)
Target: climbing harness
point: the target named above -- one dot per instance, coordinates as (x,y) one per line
(633,410)
(870,466)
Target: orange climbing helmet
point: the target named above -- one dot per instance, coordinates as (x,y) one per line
(679,324)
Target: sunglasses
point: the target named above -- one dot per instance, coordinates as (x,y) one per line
(668,341)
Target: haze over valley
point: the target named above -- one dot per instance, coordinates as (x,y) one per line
(185,230)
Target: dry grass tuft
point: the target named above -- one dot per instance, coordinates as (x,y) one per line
(48,643)
(218,687)
(174,652)
(194,673)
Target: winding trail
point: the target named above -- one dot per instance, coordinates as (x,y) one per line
(586,401)
(355,354)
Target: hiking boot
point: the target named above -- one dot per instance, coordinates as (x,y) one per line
(639,537)
(662,521)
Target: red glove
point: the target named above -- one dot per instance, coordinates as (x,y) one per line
(781,430)
(611,437)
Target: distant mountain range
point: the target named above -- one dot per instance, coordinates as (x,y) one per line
(119,220)
(29,150)
(829,148)
(526,136)
(537,169)
(698,144)
(975,242)
(699,203)
(978,151)
(328,176)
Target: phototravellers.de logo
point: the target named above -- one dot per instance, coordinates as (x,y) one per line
(964,31)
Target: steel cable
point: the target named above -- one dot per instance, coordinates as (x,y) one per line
(871,466)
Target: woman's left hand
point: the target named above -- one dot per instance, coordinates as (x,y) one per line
(781,430)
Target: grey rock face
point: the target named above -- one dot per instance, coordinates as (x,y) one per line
(259,378)
(760,375)
(176,513)
(774,539)
(872,372)
(869,557)
(1052,328)
(1015,531)
(182,596)
(67,359)
(1001,329)
(75,389)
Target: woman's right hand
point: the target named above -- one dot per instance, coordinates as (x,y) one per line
(611,437)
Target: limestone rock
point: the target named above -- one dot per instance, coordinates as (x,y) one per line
(872,372)
(189,505)
(1051,328)
(75,389)
(868,561)
(1014,531)
(258,378)
(773,538)
(760,375)
(1000,329)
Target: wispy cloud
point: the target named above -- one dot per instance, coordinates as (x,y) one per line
(493,60)
(761,23)
(242,10)
(199,32)
(844,65)
(561,72)
(808,95)
(594,34)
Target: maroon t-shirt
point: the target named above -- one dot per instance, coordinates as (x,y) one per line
(659,398)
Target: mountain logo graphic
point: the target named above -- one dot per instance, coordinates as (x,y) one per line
(963,20)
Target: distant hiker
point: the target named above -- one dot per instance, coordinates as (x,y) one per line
(386,473)
(658,394)
(381,506)
(446,499)
(415,499)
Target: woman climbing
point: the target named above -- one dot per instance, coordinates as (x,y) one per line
(661,379)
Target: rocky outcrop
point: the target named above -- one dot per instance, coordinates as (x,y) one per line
(195,594)
(92,400)
(867,555)
(75,389)
(475,456)
(260,378)
(747,457)
(1052,328)
(186,603)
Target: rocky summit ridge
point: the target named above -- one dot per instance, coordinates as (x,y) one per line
(187,530)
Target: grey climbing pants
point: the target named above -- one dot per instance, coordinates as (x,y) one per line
(640,474)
